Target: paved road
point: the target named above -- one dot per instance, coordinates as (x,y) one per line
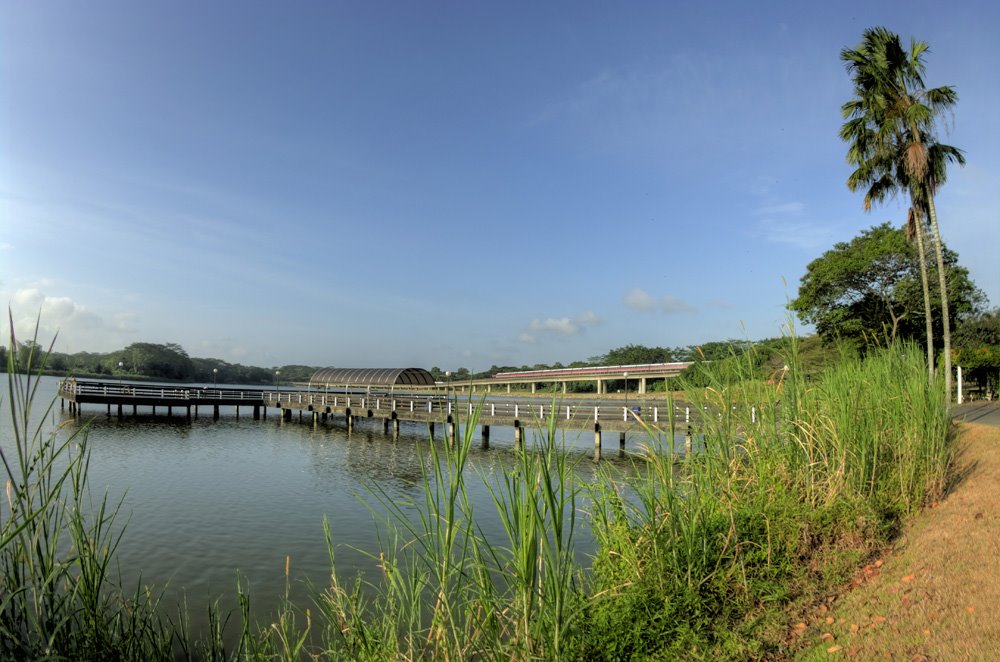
(987,413)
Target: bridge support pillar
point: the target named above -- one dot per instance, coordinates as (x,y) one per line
(486,436)
(508,388)
(518,435)
(597,442)
(642,385)
(256,412)
(600,387)
(534,387)
(215,412)
(119,411)
(564,388)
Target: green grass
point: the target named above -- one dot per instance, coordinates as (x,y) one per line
(698,556)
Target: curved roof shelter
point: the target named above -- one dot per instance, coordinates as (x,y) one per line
(371,377)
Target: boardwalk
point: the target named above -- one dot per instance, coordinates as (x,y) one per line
(390,408)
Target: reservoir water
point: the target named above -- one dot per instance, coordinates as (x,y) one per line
(206,499)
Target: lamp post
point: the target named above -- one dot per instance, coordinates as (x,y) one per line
(215,374)
(277,381)
(447,388)
(121,366)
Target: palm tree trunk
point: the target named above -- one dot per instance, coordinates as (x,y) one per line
(918,231)
(945,314)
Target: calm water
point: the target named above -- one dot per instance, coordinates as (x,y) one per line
(206,498)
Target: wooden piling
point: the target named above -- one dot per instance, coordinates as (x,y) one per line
(486,436)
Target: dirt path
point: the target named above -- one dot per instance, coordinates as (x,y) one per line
(936,595)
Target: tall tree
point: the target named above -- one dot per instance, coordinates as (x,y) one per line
(869,289)
(915,232)
(890,128)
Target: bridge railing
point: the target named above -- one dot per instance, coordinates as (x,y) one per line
(184,394)
(386,406)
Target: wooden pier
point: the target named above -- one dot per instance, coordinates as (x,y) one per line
(445,409)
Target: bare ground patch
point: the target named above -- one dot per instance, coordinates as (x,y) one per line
(936,594)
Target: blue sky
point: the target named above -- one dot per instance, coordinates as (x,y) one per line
(449,183)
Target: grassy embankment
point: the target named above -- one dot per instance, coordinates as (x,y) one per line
(700,556)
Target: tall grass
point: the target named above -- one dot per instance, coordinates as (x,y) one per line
(791,481)
(57,544)
(795,480)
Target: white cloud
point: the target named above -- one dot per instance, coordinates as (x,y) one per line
(78,327)
(638,299)
(558,326)
(785,223)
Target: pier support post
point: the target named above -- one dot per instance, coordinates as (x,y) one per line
(518,435)
(109,410)
(395,424)
(621,441)
(597,442)
(486,436)
(430,429)
(385,426)
(287,415)
(451,431)
(188,411)
(135,410)
(119,410)
(687,442)
(215,412)
(256,412)
(315,417)
(237,411)
(170,411)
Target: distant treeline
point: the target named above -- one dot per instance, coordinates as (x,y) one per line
(170,362)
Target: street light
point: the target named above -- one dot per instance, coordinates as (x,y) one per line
(277,382)
(215,373)
(121,365)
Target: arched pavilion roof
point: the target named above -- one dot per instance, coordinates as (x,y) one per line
(372,377)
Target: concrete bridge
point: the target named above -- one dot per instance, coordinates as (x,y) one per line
(448,409)
(639,374)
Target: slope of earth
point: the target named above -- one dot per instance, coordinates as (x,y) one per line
(936,594)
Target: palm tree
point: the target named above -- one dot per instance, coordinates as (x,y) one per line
(915,231)
(890,130)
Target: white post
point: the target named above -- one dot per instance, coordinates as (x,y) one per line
(959,384)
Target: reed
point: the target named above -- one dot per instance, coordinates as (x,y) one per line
(792,479)
(58,598)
